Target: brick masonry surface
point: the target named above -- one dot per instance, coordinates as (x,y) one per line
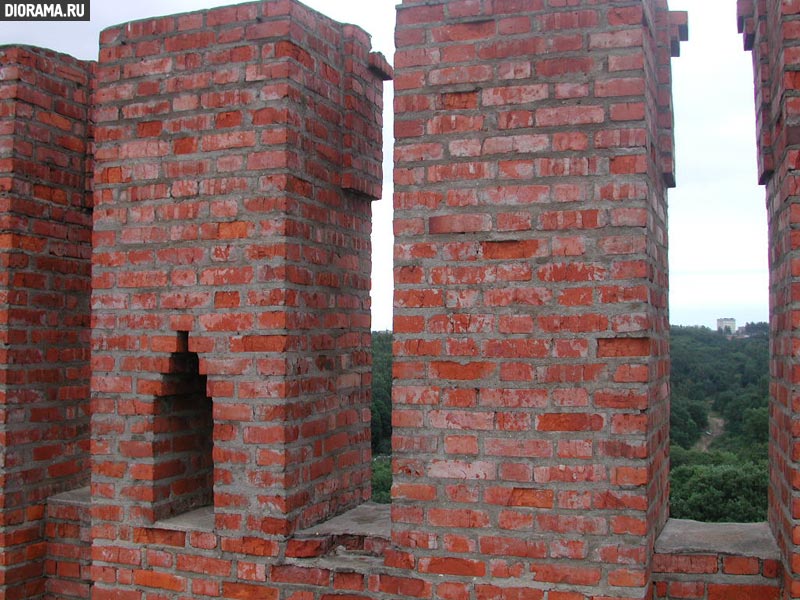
(533,154)
(771,32)
(203,192)
(237,152)
(45,251)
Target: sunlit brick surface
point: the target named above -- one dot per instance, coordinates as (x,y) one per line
(223,163)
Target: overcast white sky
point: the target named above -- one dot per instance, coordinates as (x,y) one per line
(718,232)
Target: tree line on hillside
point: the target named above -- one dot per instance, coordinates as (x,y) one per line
(719,377)
(381,415)
(713,377)
(381,392)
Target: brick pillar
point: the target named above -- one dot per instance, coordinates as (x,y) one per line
(533,154)
(770,31)
(238,150)
(45,216)
(69,546)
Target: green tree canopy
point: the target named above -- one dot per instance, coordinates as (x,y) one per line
(381,392)
(730,377)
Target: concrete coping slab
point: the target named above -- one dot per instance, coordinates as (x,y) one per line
(369,520)
(78,497)
(200,519)
(681,536)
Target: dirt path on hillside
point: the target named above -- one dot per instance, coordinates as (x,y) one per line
(716,426)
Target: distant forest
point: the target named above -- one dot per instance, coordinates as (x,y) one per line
(718,424)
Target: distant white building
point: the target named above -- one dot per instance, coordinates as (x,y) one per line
(727,326)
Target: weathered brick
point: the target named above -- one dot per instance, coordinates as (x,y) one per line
(547,331)
(45,250)
(256,307)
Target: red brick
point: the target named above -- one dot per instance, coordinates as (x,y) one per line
(453,566)
(209,566)
(565,574)
(674,563)
(239,280)
(742,592)
(570,115)
(492,592)
(163,581)
(246,591)
(740,565)
(689,590)
(405,586)
(569,422)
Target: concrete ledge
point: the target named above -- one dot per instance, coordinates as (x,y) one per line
(682,536)
(365,530)
(716,561)
(368,520)
(79,497)
(344,562)
(200,519)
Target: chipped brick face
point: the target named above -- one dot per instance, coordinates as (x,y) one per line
(530,401)
(45,247)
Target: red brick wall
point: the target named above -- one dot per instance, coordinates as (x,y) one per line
(531,391)
(238,151)
(45,223)
(770,31)
(68,557)
(717,561)
(694,576)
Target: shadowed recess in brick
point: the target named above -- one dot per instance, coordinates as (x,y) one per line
(183,438)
